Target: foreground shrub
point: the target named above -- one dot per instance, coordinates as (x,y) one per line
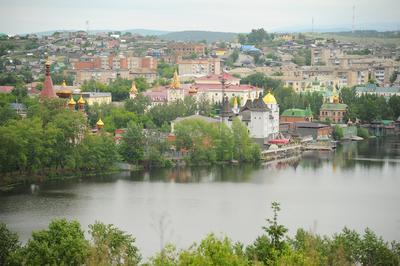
(8,244)
(111,246)
(63,243)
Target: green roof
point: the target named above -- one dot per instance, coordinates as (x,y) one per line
(387,122)
(334,106)
(297,112)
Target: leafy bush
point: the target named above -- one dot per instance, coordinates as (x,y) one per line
(337,133)
(362,132)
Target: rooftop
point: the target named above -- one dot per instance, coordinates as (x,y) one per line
(294,112)
(334,106)
(201,117)
(309,125)
(6,89)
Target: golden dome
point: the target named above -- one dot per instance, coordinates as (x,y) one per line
(100,123)
(235,103)
(81,100)
(64,93)
(64,84)
(335,99)
(71,101)
(48,63)
(269,98)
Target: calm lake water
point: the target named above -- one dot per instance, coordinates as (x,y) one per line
(357,186)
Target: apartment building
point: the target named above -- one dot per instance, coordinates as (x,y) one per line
(199,67)
(187,49)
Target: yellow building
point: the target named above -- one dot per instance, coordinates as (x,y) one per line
(96,97)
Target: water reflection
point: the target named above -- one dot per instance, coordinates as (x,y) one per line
(224,173)
(322,190)
(375,153)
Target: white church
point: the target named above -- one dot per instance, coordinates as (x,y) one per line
(261,116)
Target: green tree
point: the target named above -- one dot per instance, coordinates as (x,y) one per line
(142,84)
(9,244)
(120,88)
(362,132)
(244,149)
(132,144)
(96,152)
(63,243)
(257,36)
(111,246)
(165,70)
(7,114)
(274,230)
(242,38)
(337,132)
(138,105)
(92,85)
(270,246)
(394,105)
(214,251)
(118,118)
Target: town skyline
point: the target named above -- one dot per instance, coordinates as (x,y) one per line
(21,16)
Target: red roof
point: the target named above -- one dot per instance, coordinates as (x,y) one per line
(217,87)
(217,77)
(6,89)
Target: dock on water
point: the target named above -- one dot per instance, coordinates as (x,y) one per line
(279,153)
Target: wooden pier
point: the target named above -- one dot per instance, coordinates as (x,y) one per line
(279,153)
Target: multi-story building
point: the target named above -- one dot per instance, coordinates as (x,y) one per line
(372,89)
(149,74)
(115,62)
(96,97)
(187,49)
(199,67)
(101,75)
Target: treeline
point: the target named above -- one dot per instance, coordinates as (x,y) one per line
(64,243)
(52,138)
(211,142)
(369,107)
(55,139)
(256,36)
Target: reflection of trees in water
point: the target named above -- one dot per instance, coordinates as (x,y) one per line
(314,159)
(221,173)
(347,157)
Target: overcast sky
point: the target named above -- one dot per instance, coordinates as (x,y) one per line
(22,16)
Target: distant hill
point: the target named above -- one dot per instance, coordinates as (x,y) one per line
(142,32)
(145,32)
(197,36)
